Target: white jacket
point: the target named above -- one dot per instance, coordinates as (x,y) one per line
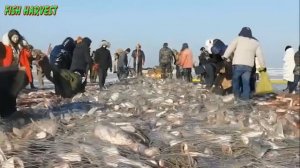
(289,65)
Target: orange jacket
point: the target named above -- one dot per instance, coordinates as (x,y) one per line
(186,59)
(23,58)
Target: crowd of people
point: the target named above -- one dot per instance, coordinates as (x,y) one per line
(223,69)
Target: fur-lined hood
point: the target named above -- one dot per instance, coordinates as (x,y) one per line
(6,41)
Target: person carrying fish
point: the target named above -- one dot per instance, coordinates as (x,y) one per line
(103,62)
(14,70)
(186,62)
(245,47)
(139,58)
(72,81)
(165,61)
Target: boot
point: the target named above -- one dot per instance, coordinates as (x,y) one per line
(32,86)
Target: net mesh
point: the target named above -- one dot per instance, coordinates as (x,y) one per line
(201,137)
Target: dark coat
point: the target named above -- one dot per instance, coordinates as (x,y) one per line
(140,56)
(123,60)
(103,58)
(81,57)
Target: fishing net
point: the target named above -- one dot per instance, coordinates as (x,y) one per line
(189,126)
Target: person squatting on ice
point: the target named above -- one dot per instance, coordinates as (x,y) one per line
(166,56)
(245,47)
(15,71)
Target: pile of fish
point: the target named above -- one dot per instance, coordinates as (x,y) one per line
(147,123)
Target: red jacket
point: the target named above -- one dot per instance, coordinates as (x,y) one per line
(23,58)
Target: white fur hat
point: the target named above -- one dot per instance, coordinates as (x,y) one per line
(208,45)
(105,43)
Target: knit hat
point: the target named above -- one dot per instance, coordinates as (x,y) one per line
(165,45)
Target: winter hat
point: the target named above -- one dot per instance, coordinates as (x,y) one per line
(287,47)
(104,43)
(138,46)
(184,46)
(246,32)
(165,45)
(208,45)
(128,50)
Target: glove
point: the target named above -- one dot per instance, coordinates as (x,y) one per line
(226,59)
(262,69)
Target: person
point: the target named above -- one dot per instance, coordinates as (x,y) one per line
(61,55)
(103,62)
(31,59)
(165,61)
(289,66)
(93,71)
(123,64)
(293,86)
(37,55)
(18,52)
(223,82)
(117,53)
(186,62)
(139,58)
(82,60)
(245,47)
(178,68)
(14,70)
(209,67)
(69,82)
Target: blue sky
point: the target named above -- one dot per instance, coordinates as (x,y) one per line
(275,23)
